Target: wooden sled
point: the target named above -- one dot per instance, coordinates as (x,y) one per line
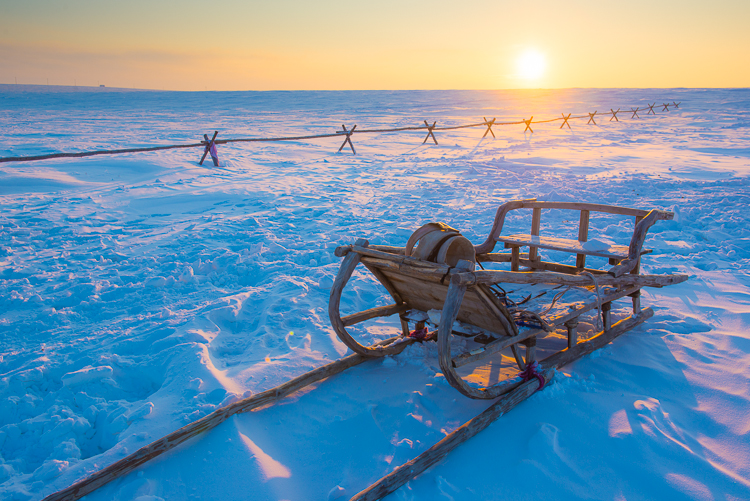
(469,301)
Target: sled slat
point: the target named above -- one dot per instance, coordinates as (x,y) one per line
(494,347)
(567,245)
(381,311)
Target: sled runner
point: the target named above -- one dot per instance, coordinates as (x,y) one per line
(439,293)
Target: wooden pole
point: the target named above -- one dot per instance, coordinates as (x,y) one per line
(430,132)
(565,120)
(398,477)
(651,109)
(528,125)
(666,107)
(614,115)
(591,118)
(635,112)
(489,127)
(208,147)
(348,138)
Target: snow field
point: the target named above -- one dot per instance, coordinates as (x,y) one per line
(141,292)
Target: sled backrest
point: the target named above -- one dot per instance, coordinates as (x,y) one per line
(479,307)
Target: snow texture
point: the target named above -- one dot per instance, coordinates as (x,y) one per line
(140,292)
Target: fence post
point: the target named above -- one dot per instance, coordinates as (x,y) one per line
(210,148)
(528,124)
(591,118)
(348,138)
(489,127)
(429,132)
(565,120)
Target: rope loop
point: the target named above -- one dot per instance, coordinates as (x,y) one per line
(531,372)
(419,334)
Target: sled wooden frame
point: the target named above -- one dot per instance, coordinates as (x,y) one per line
(463,294)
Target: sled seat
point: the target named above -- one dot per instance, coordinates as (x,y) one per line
(626,258)
(611,251)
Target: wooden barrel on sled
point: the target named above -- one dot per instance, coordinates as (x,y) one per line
(439,243)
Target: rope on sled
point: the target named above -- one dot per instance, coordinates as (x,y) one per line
(532,371)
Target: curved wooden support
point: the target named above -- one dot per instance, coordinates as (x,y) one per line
(451,307)
(339,325)
(636,242)
(497,226)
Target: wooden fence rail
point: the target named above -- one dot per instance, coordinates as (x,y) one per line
(430,129)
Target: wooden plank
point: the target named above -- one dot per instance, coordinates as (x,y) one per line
(515,257)
(425,296)
(609,209)
(398,259)
(583,236)
(566,356)
(491,277)
(435,276)
(606,299)
(559,268)
(389,249)
(567,245)
(384,282)
(380,311)
(493,347)
(399,476)
(499,257)
(536,221)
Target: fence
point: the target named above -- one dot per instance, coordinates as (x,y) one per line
(209,145)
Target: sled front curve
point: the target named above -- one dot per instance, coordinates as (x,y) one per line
(418,287)
(339,324)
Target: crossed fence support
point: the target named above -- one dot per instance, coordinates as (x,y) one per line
(210,149)
(528,124)
(489,127)
(209,145)
(348,138)
(430,132)
(565,120)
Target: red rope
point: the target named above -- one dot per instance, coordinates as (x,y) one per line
(531,372)
(419,334)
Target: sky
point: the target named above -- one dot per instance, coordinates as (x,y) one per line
(385,44)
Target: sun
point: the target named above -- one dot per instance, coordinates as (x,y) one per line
(531,65)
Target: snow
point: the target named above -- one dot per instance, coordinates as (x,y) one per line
(140,292)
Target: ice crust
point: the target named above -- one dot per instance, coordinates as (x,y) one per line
(140,292)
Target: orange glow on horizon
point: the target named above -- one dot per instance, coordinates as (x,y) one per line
(292,44)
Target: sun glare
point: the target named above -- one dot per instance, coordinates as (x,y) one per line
(531,65)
